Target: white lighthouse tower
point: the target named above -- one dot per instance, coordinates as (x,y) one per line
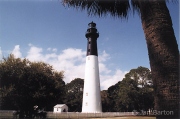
(91,93)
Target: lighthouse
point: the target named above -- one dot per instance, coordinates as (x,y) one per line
(91,92)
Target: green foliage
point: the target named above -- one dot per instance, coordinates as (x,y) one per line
(25,84)
(134,92)
(141,75)
(146,98)
(106,102)
(114,99)
(74,95)
(128,95)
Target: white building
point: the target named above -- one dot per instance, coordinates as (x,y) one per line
(60,108)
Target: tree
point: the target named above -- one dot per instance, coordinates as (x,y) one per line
(25,84)
(105,100)
(141,75)
(146,98)
(113,96)
(128,95)
(161,43)
(74,95)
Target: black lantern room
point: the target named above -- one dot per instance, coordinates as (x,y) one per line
(92,35)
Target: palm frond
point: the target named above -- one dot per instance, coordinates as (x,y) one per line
(116,8)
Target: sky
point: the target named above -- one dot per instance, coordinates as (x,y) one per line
(50,32)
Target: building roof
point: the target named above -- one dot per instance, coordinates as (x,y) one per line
(60,105)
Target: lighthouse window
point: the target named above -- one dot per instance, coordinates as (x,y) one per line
(86,104)
(86,94)
(89,42)
(89,50)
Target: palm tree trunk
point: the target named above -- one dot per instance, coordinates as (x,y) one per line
(164,57)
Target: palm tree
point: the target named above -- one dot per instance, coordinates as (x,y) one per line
(161,43)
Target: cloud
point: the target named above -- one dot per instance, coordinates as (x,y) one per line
(72,54)
(72,62)
(49,49)
(16,51)
(108,80)
(35,54)
(103,57)
(52,49)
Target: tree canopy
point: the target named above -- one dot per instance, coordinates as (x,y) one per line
(24,84)
(127,95)
(74,95)
(141,75)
